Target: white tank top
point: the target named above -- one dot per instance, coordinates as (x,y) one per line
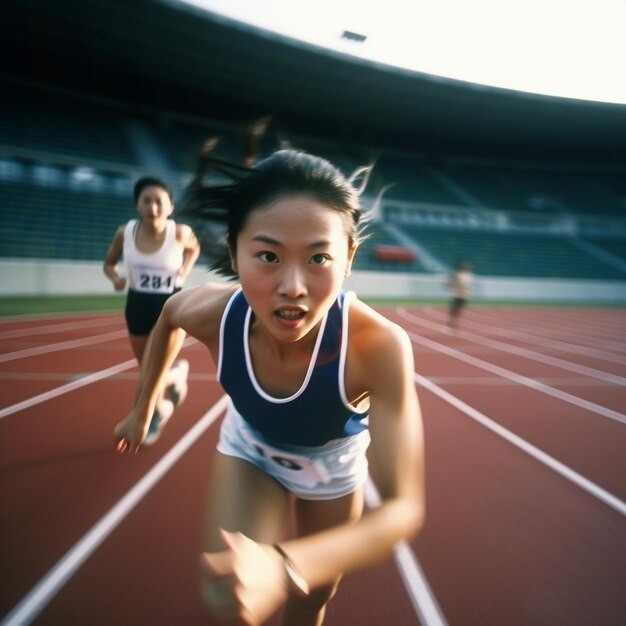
(156,272)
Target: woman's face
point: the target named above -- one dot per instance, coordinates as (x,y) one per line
(292,257)
(154,205)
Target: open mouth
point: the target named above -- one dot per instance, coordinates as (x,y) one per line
(290,314)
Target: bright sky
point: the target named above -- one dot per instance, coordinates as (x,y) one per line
(570,48)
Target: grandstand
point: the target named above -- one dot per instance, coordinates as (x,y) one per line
(69,157)
(66,186)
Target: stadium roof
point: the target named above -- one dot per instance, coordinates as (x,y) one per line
(161,55)
(551,47)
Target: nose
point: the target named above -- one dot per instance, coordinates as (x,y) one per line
(292,282)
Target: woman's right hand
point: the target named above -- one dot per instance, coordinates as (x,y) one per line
(130,433)
(245,583)
(119,284)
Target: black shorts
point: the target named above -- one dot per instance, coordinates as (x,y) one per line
(143,309)
(458,303)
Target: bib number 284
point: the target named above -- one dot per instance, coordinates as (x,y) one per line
(154,281)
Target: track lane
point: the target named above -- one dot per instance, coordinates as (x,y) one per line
(598,357)
(569,431)
(59,456)
(508,541)
(35,370)
(538,360)
(433,547)
(581,331)
(53,451)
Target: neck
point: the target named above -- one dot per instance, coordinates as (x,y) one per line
(284,351)
(155,228)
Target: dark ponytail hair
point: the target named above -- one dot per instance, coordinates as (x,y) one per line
(217,210)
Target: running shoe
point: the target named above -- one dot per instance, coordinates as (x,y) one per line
(178,391)
(158,421)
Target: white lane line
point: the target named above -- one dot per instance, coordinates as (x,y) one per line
(537,340)
(486,381)
(567,331)
(77,384)
(569,474)
(522,380)
(40,595)
(421,595)
(62,345)
(59,391)
(523,352)
(53,328)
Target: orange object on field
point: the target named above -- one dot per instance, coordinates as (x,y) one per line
(395,254)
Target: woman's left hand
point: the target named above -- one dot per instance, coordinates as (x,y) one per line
(244,584)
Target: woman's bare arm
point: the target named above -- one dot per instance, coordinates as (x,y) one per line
(396,459)
(195,311)
(191,249)
(113,256)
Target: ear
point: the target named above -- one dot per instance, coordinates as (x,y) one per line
(351,252)
(232,255)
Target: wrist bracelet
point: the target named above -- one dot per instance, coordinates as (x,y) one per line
(296,579)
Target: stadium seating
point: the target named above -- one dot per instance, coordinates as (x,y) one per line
(513,254)
(45,222)
(183,140)
(539,189)
(614,246)
(67,167)
(53,125)
(412,179)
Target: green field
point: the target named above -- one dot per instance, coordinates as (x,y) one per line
(51,305)
(47,305)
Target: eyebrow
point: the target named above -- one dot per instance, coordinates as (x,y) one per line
(265,239)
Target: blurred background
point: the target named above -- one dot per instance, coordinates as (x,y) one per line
(525,180)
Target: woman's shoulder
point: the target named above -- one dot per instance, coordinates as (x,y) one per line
(371,330)
(199,309)
(183,232)
(121,229)
(208,297)
(119,232)
(379,351)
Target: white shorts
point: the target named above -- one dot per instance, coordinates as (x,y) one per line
(326,472)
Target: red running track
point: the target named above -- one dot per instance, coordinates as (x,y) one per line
(525,422)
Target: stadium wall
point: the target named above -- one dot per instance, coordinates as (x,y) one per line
(47,278)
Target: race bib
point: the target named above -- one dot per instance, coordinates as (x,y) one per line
(294,468)
(153,280)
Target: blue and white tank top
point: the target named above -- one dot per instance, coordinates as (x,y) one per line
(316,413)
(155,272)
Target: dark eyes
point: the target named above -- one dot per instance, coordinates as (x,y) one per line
(319,259)
(270,257)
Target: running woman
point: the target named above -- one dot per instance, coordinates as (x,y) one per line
(315,378)
(158,254)
(460,283)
